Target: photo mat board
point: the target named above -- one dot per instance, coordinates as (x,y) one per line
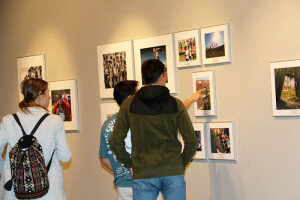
(64,102)
(115,63)
(205,81)
(158,47)
(200,134)
(31,67)
(187,48)
(108,110)
(285,87)
(216,47)
(221,141)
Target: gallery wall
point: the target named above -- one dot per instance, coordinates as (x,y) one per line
(68,32)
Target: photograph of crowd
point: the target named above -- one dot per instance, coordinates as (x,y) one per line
(32,72)
(157,52)
(187,50)
(114,66)
(198,134)
(214,44)
(287,87)
(205,102)
(220,140)
(61,104)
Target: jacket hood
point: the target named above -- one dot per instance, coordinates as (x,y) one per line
(153,94)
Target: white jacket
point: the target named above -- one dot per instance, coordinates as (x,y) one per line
(51,136)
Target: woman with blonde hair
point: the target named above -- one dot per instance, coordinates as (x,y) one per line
(50,135)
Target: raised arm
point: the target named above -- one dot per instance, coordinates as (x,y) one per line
(195,97)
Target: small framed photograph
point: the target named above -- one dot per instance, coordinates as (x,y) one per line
(285,86)
(115,63)
(108,110)
(216,44)
(64,102)
(31,67)
(159,47)
(187,46)
(205,81)
(221,141)
(199,131)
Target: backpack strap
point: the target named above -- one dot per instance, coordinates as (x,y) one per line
(39,123)
(49,164)
(36,126)
(18,121)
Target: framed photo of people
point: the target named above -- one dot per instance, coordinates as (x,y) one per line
(64,102)
(205,81)
(158,47)
(31,67)
(199,131)
(216,46)
(108,110)
(115,63)
(221,141)
(187,48)
(285,86)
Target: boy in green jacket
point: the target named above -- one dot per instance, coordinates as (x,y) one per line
(154,118)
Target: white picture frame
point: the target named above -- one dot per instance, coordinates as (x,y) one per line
(164,48)
(216,47)
(187,48)
(200,134)
(221,141)
(66,92)
(285,91)
(107,110)
(115,63)
(30,67)
(206,106)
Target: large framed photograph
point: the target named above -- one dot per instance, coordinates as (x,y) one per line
(115,63)
(205,81)
(108,110)
(187,48)
(221,141)
(285,83)
(159,47)
(199,131)
(30,67)
(64,102)
(216,44)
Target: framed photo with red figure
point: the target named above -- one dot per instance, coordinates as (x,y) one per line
(64,102)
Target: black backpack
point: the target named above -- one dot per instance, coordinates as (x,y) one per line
(28,168)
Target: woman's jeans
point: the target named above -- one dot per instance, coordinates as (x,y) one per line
(172,187)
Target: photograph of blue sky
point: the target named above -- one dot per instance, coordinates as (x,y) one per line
(214,37)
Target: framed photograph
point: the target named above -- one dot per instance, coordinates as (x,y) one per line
(216,44)
(199,131)
(159,47)
(115,63)
(64,102)
(187,48)
(221,141)
(205,81)
(31,67)
(285,83)
(108,110)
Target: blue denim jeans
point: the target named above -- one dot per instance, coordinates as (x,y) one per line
(172,187)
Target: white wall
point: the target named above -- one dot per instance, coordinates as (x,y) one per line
(67,32)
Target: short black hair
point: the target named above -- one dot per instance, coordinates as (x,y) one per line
(123,89)
(151,70)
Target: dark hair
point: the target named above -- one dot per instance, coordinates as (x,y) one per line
(31,89)
(151,70)
(123,89)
